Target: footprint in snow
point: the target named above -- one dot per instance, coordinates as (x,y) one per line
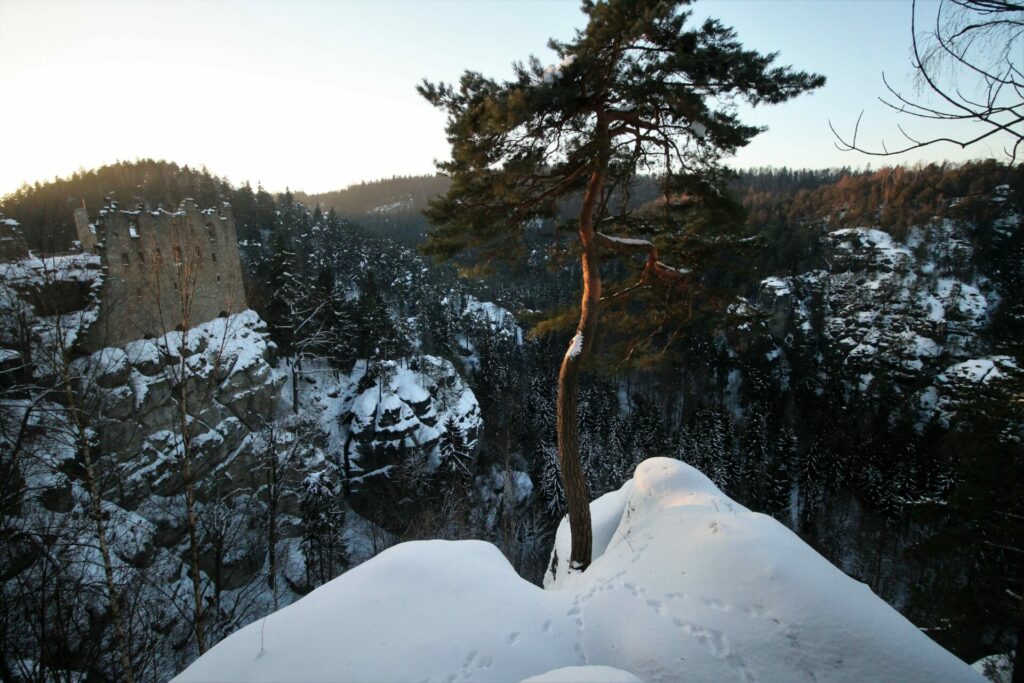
(657,606)
(716,605)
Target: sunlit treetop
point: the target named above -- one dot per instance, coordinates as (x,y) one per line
(638,90)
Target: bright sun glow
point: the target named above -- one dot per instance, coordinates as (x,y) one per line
(318,95)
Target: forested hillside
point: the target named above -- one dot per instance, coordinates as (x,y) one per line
(391,208)
(859,380)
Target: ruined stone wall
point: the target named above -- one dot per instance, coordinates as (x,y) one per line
(12,243)
(164,271)
(86,231)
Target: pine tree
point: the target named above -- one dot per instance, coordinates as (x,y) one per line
(780,477)
(636,89)
(551,483)
(284,293)
(322,523)
(265,212)
(454,469)
(757,460)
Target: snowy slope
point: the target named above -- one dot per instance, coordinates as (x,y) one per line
(688,586)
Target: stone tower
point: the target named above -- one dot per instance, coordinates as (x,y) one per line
(163,271)
(86,230)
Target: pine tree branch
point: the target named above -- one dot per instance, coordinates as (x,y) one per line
(653,268)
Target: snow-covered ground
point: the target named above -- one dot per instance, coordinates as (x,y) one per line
(686,585)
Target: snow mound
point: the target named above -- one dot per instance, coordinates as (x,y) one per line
(687,586)
(584,674)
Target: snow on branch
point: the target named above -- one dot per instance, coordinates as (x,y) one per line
(653,269)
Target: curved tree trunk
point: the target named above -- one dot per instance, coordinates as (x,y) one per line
(577,498)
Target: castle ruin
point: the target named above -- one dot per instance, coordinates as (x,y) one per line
(163,271)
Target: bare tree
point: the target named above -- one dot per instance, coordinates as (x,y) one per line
(192,395)
(54,393)
(969,70)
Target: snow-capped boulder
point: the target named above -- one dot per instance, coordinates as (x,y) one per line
(111,367)
(405,408)
(229,387)
(994,378)
(493,317)
(687,586)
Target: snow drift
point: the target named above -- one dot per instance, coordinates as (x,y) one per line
(686,585)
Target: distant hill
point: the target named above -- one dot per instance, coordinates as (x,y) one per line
(392,207)
(45,210)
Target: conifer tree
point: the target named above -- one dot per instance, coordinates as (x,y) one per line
(551,484)
(455,455)
(780,478)
(265,211)
(322,521)
(637,89)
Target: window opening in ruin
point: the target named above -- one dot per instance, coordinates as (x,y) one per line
(133,232)
(124,258)
(213,255)
(218,278)
(142,257)
(211,232)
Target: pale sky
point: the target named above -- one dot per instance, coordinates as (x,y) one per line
(317,95)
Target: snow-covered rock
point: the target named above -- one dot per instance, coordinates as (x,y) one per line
(489,314)
(229,384)
(995,668)
(956,387)
(884,307)
(687,586)
(55,300)
(406,408)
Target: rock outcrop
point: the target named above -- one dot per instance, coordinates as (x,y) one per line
(405,408)
(215,378)
(902,310)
